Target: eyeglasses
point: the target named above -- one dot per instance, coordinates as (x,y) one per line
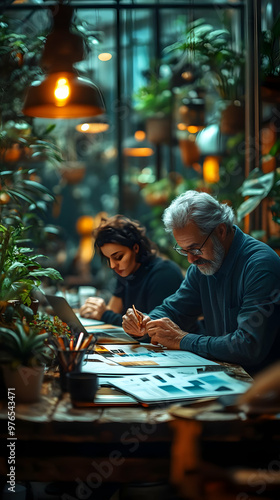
(195,251)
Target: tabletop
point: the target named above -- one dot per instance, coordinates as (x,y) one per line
(55,440)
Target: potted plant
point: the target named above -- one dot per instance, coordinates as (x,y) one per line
(153,102)
(24,353)
(52,325)
(20,271)
(210,48)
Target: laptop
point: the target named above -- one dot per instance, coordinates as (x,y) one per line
(107,334)
(64,311)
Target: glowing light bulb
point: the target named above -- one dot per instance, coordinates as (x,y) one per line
(62,91)
(211,169)
(85,127)
(105,56)
(140,135)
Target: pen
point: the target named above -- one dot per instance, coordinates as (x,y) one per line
(79,341)
(139,318)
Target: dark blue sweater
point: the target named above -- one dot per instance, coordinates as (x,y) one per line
(240,304)
(147,288)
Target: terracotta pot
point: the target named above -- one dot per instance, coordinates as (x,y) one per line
(26,382)
(190,152)
(268,164)
(232,119)
(158,129)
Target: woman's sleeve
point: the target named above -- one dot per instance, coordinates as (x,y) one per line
(112,318)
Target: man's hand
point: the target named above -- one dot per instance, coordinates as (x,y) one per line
(163,331)
(94,307)
(132,325)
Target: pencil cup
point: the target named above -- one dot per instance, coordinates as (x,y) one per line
(82,386)
(69,361)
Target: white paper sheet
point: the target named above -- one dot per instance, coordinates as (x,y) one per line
(104,367)
(152,356)
(174,385)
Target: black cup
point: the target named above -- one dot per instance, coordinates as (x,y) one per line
(82,386)
(69,361)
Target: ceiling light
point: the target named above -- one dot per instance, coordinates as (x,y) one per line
(63,93)
(105,56)
(93,126)
(137,146)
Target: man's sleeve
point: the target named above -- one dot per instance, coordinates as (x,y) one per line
(258,321)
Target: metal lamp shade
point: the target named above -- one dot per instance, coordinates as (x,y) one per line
(85,99)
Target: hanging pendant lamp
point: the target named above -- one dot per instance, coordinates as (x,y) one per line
(137,146)
(63,93)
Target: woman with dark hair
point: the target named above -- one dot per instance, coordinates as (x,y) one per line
(143,278)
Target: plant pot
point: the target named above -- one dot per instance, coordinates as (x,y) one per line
(26,382)
(232,119)
(190,152)
(158,129)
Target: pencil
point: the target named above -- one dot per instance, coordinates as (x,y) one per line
(87,341)
(61,343)
(139,318)
(71,345)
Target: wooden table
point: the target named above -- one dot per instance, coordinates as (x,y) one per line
(56,442)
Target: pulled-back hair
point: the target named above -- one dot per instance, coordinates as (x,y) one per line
(126,232)
(201,209)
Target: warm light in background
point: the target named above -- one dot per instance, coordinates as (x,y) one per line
(211,169)
(137,146)
(92,127)
(187,75)
(192,129)
(62,91)
(105,56)
(182,126)
(140,135)
(138,152)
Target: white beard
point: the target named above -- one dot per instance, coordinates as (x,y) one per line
(212,266)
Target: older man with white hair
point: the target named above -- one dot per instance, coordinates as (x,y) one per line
(232,285)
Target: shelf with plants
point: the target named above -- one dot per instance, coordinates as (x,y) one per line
(24,202)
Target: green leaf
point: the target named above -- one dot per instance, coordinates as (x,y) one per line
(247,207)
(18,194)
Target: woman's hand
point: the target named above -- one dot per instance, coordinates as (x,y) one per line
(135,325)
(163,331)
(94,307)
